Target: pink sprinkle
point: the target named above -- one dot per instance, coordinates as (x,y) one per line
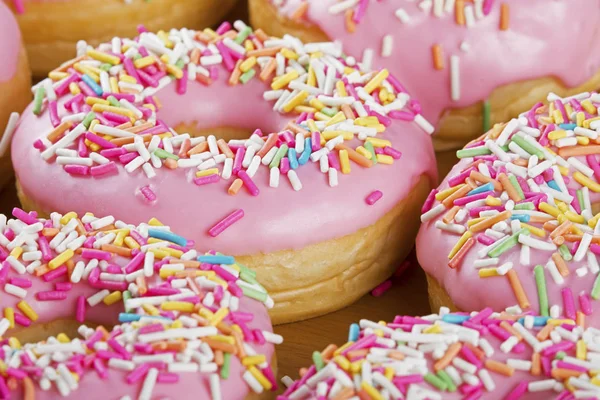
(114,117)
(568,303)
(315,140)
(22,320)
(55,273)
(99,141)
(429,201)
(77,169)
(226,222)
(373,197)
(104,169)
(390,151)
(23,216)
(182,83)
(237,161)
(99,254)
(63,286)
(51,295)
(148,193)
(224,27)
(100,369)
(249,183)
(137,373)
(518,391)
(116,346)
(205,180)
(21,282)
(334,162)
(381,288)
(112,153)
(167,377)
(127,158)
(585,303)
(64,86)
(226,54)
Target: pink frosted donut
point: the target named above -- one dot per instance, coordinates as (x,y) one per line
(14,86)
(467,64)
(514,224)
(483,355)
(187,325)
(270,199)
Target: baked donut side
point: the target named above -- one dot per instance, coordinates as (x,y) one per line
(514,224)
(271,197)
(454,355)
(92,301)
(502,56)
(51,37)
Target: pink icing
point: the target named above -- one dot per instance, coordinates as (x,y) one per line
(277,219)
(539,42)
(10,43)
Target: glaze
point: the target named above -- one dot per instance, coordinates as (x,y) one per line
(10,42)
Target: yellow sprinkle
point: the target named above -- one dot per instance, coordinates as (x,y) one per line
(533,229)
(473,221)
(260,378)
(583,141)
(205,313)
(207,172)
(580,118)
(155,222)
(295,101)
(14,343)
(383,95)
(3,367)
(548,209)
(488,272)
(284,80)
(67,217)
(564,171)
(120,238)
(571,216)
(371,391)
(175,71)
(589,107)
(114,84)
(342,362)
(90,101)
(336,119)
(585,181)
(367,121)
(344,161)
(167,272)
(465,236)
(364,152)
(306,109)
(63,338)
(433,329)
(493,201)
(581,352)
(224,339)
(568,109)
(176,325)
(57,75)
(117,110)
(253,360)
(289,54)
(172,252)
(592,222)
(61,259)
(104,57)
(312,78)
(150,309)
(144,62)
(557,322)
(127,79)
(341,88)
(385,159)
(558,134)
(16,252)
(74,89)
(182,306)
(248,45)
(247,64)
(165,38)
(558,117)
(447,192)
(84,69)
(27,310)
(342,348)
(328,135)
(9,314)
(219,316)
(389,373)
(113,298)
(376,81)
(376,142)
(356,366)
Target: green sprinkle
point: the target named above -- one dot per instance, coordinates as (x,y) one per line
(525,206)
(515,183)
(443,375)
(528,147)
(113,102)
(473,151)
(137,56)
(254,294)
(88,119)
(180,64)
(278,156)
(540,281)
(246,76)
(560,355)
(486,115)
(370,149)
(105,67)
(596,288)
(330,112)
(225,366)
(247,270)
(318,360)
(246,277)
(126,296)
(435,381)
(507,243)
(564,252)
(243,35)
(38,99)
(580,198)
(160,153)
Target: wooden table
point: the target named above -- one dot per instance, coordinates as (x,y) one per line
(408,296)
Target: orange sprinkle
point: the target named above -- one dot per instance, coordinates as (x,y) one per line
(348,113)
(460,254)
(536,364)
(459,12)
(268,70)
(561,229)
(449,201)
(28,389)
(269,143)
(349,21)
(139,128)
(195,56)
(129,140)
(140,281)
(578,151)
(510,189)
(449,216)
(499,367)
(224,147)
(219,357)
(59,131)
(170,163)
(267,52)
(261,35)
(355,156)
(235,187)
(119,250)
(479,177)
(299,13)
(438,57)
(218,345)
(50,232)
(544,333)
(186,263)
(563,373)
(489,222)
(197,149)
(205,80)
(560,264)
(235,74)
(327,353)
(580,319)
(476,350)
(504,17)
(517,287)
(448,357)
(508,327)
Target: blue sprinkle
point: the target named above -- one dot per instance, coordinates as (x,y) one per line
(520,217)
(553,185)
(567,127)
(306,153)
(483,188)
(455,318)
(292,158)
(168,236)
(537,321)
(128,317)
(92,84)
(353,333)
(218,259)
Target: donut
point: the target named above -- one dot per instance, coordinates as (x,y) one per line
(51,34)
(15,81)
(460,355)
(472,63)
(514,224)
(89,302)
(322,201)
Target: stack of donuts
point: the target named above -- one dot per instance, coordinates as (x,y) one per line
(303,148)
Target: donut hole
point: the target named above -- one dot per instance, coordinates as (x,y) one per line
(38,332)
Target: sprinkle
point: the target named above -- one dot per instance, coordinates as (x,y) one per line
(373,197)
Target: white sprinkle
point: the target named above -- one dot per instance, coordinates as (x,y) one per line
(333,177)
(342,6)
(402,15)
(148,386)
(387,46)
(8,132)
(424,124)
(434,212)
(274,177)
(294,180)
(15,290)
(455,77)
(95,299)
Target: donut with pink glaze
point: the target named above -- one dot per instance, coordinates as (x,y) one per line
(471,63)
(321,200)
